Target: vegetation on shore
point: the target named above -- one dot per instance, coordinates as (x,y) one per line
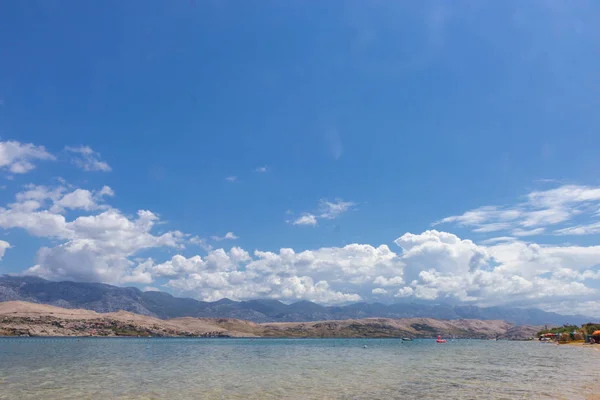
(570,333)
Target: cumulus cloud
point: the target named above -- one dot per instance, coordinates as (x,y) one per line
(78,199)
(19,158)
(92,247)
(433,265)
(103,244)
(440,265)
(405,291)
(228,236)
(61,198)
(540,211)
(99,247)
(87,159)
(326,275)
(306,219)
(106,191)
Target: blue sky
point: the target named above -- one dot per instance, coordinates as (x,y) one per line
(360,121)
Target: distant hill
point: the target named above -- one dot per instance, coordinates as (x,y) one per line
(107,298)
(19,318)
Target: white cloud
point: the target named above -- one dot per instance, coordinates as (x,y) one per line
(306,219)
(3,247)
(444,252)
(261,169)
(92,247)
(327,275)
(87,159)
(36,196)
(493,227)
(332,210)
(440,265)
(228,236)
(37,223)
(540,210)
(566,194)
(549,216)
(393,281)
(179,266)
(106,191)
(198,241)
(102,243)
(231,179)
(531,232)
(19,158)
(379,291)
(498,240)
(151,289)
(326,210)
(588,229)
(40,193)
(78,199)
(406,291)
(432,265)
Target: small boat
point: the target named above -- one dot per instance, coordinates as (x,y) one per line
(440,340)
(406,339)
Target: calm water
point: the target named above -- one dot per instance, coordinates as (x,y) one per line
(37,368)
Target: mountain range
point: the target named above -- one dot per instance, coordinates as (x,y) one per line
(104,298)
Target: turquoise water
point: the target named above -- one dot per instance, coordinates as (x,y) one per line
(92,368)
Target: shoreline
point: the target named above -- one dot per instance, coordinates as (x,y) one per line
(250,338)
(24,319)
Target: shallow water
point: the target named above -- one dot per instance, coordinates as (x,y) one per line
(36,368)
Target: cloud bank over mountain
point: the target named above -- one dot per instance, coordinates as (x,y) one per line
(87,239)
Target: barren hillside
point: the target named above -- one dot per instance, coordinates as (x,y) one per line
(18,318)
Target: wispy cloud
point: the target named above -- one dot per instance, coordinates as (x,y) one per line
(540,210)
(499,239)
(202,243)
(261,169)
(587,229)
(493,227)
(228,236)
(87,159)
(531,232)
(231,178)
(331,210)
(325,210)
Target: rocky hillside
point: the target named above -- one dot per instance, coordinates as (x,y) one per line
(106,298)
(29,319)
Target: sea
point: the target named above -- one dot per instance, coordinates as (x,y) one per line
(174,368)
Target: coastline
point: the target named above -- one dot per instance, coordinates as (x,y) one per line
(32,319)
